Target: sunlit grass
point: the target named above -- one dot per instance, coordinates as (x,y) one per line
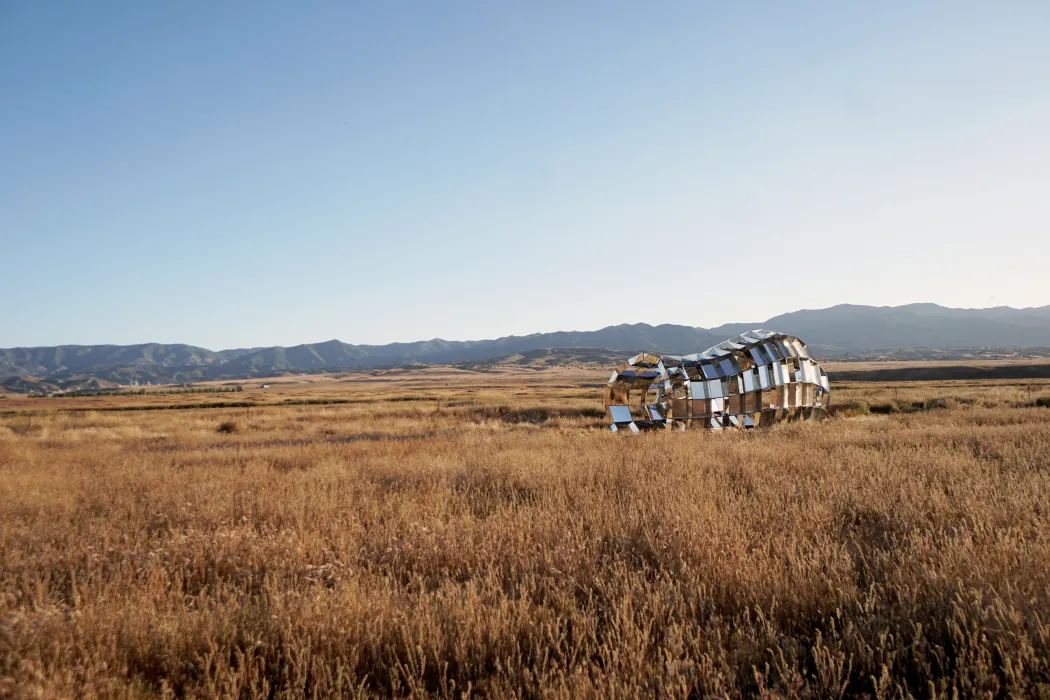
(496,538)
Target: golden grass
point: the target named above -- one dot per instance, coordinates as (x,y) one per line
(497,541)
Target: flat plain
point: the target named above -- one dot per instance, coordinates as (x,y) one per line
(445,532)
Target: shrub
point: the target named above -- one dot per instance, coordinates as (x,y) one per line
(1043,402)
(903,406)
(229,427)
(590,412)
(526,415)
(849,408)
(932,404)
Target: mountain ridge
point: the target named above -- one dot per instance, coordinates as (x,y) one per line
(837,328)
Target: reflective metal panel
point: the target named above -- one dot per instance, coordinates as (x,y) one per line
(749,381)
(689,387)
(763,377)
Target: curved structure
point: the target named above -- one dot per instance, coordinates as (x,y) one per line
(754,379)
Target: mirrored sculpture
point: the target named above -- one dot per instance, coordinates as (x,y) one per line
(755,379)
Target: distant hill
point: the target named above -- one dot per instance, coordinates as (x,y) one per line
(833,330)
(848,326)
(66,367)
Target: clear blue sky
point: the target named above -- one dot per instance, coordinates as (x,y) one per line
(249,173)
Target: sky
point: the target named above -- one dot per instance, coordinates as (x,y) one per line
(257,173)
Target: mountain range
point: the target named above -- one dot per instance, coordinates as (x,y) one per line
(832,330)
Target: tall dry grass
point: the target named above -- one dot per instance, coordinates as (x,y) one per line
(502,543)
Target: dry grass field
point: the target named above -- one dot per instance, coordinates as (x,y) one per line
(452,533)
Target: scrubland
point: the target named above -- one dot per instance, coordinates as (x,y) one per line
(494,539)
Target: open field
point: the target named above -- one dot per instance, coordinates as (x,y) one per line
(939,370)
(451,532)
(868,365)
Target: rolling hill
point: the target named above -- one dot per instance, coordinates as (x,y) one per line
(839,328)
(848,326)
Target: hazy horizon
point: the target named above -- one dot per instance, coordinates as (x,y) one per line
(755,322)
(251,175)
